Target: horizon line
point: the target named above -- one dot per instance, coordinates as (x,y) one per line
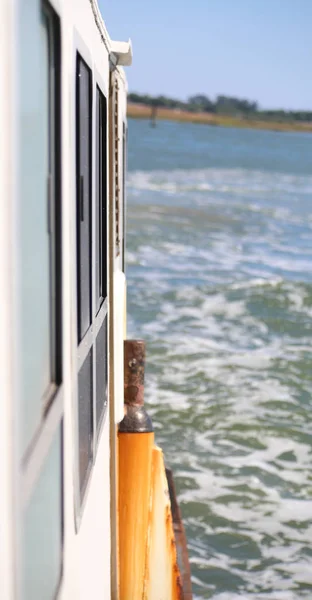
(215,96)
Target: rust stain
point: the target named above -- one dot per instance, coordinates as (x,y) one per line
(135,474)
(180,543)
(134,365)
(162,571)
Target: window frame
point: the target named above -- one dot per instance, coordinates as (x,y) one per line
(52,406)
(124,190)
(98,313)
(81,210)
(101,196)
(36,453)
(116,173)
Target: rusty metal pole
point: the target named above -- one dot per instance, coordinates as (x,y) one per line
(136,440)
(136,419)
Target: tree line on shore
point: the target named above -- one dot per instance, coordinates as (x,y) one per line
(222,105)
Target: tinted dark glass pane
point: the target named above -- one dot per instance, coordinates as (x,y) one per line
(85,417)
(101,198)
(101,372)
(84,103)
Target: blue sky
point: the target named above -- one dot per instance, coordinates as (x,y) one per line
(256,49)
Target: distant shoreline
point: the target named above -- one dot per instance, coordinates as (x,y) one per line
(142,111)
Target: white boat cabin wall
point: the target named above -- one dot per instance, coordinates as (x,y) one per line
(62,197)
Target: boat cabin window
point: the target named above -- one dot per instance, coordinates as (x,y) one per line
(91,274)
(119,171)
(116,167)
(101,198)
(85,425)
(101,252)
(124,170)
(39,298)
(39,211)
(84,195)
(101,375)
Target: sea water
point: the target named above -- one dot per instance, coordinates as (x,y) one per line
(219,269)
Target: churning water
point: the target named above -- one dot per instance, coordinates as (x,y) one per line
(219,267)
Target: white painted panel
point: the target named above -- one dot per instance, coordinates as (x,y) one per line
(119,314)
(42,533)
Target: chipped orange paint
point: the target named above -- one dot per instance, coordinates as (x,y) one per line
(147,557)
(180,541)
(162,576)
(135,479)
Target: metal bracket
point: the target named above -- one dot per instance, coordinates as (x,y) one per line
(120,54)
